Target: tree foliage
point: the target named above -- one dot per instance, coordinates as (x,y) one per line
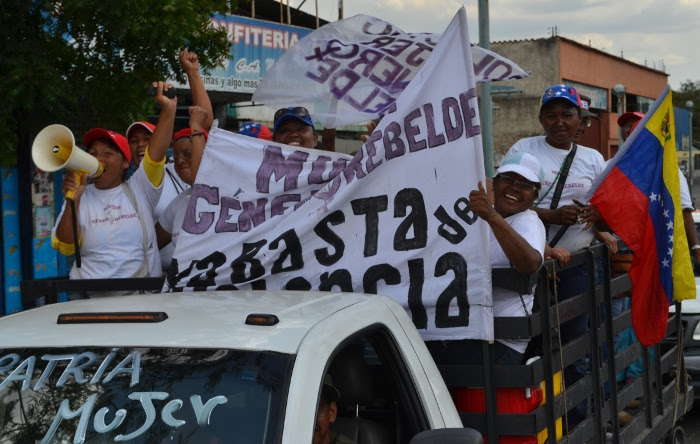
(690,90)
(89,61)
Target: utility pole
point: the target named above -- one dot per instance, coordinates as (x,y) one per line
(691,157)
(619,91)
(486,103)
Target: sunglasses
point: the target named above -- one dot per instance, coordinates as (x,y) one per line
(185,156)
(587,122)
(298,111)
(524,186)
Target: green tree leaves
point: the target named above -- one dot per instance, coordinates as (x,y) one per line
(87,63)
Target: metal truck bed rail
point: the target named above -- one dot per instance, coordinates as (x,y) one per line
(664,396)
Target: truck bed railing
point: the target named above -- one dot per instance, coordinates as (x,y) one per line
(665,397)
(50,289)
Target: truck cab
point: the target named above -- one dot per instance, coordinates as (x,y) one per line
(213,367)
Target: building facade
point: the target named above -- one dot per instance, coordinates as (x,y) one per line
(593,72)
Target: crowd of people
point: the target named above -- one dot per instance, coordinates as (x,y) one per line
(534,205)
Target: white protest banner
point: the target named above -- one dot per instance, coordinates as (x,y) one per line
(392,220)
(353,70)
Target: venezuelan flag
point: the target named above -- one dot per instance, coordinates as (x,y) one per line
(638,196)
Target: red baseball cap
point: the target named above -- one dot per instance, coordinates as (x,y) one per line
(118,139)
(186,132)
(149,127)
(630,115)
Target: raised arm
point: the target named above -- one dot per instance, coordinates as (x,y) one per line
(190,64)
(162,135)
(198,117)
(519,252)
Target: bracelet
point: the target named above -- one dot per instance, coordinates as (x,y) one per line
(695,247)
(196,134)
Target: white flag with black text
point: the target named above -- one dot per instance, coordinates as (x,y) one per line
(392,220)
(352,70)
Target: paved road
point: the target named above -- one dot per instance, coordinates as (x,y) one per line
(691,424)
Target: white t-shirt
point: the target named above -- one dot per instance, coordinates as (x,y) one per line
(686,201)
(174,214)
(172,186)
(508,303)
(586,166)
(112,237)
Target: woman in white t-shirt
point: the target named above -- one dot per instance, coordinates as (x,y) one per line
(560,117)
(115,216)
(518,241)
(188,149)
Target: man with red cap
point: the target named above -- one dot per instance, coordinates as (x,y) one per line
(113,224)
(627,121)
(189,148)
(139,136)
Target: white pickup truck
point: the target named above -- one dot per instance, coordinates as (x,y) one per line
(220,367)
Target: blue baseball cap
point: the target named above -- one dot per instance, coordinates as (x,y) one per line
(564,92)
(255,129)
(292,112)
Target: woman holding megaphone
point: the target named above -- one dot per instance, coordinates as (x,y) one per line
(115,229)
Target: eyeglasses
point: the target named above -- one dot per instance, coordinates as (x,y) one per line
(525,186)
(186,156)
(298,111)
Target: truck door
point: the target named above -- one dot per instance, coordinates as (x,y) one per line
(378,399)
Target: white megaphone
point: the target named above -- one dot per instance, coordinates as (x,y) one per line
(54,148)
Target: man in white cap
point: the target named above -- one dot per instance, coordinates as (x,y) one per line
(518,240)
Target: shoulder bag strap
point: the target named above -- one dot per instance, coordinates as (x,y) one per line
(562,178)
(176,183)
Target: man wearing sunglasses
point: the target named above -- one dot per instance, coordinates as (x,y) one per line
(293,126)
(586,118)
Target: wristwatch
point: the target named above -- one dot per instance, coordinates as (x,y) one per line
(695,247)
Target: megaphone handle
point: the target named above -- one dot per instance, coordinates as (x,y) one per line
(70,194)
(78,262)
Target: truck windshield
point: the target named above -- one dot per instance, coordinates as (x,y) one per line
(144,395)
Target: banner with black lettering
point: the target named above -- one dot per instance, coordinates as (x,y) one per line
(392,220)
(352,70)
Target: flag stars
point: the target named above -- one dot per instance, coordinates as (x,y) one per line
(654,196)
(666,213)
(670,251)
(665,263)
(670,225)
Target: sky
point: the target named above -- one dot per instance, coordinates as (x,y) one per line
(660,32)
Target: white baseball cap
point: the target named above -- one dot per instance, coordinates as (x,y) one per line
(524,164)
